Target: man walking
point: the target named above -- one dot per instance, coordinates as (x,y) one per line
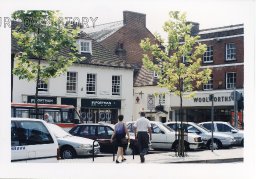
(142,128)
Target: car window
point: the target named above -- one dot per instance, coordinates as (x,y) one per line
(33,132)
(173,126)
(85,131)
(155,129)
(101,131)
(93,130)
(223,128)
(208,126)
(192,129)
(75,130)
(109,131)
(14,135)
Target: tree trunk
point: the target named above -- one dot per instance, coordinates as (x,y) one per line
(37,83)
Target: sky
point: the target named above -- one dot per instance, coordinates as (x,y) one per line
(208,13)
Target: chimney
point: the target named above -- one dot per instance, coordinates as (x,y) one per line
(134,18)
(194,28)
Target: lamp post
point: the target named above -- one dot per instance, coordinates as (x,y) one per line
(211,97)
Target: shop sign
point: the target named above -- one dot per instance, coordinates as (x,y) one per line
(216,99)
(101,103)
(42,100)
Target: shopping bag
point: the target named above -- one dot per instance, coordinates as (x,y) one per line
(128,150)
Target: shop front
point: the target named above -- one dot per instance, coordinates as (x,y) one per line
(198,108)
(100,110)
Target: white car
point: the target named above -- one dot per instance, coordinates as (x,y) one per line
(72,146)
(163,137)
(226,128)
(32,141)
(219,140)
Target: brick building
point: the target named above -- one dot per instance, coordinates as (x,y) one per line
(225,56)
(123,37)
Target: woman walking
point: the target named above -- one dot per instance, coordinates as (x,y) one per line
(120,133)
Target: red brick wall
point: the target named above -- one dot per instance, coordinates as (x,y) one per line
(130,35)
(219,58)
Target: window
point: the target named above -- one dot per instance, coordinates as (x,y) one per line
(91,84)
(162,99)
(208,55)
(116,85)
(208,126)
(32,133)
(223,128)
(230,80)
(209,85)
(184,59)
(155,129)
(42,86)
(85,46)
(230,51)
(71,82)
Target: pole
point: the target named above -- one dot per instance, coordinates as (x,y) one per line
(235,109)
(212,117)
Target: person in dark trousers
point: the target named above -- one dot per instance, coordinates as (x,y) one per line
(143,133)
(120,133)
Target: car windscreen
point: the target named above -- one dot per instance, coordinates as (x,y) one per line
(58,131)
(167,127)
(203,128)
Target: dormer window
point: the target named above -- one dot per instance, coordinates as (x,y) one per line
(85,46)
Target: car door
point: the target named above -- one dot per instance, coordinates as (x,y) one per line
(224,128)
(159,139)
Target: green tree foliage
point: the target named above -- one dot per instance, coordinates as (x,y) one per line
(167,59)
(42,37)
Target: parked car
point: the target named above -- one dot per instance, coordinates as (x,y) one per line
(226,128)
(163,137)
(219,140)
(101,132)
(32,141)
(72,146)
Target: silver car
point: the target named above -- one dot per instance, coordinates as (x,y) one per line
(220,140)
(72,146)
(226,128)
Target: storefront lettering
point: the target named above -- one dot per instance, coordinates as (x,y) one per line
(216,99)
(105,103)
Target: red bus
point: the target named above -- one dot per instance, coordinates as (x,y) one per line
(62,115)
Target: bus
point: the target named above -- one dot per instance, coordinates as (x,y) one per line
(62,115)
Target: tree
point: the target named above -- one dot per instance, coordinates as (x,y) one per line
(47,46)
(177,62)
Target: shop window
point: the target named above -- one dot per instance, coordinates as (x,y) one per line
(71,82)
(116,85)
(230,52)
(91,84)
(230,80)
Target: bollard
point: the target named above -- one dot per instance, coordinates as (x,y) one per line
(93,150)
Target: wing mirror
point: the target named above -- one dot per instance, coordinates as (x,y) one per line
(234,131)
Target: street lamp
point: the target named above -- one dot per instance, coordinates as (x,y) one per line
(211,98)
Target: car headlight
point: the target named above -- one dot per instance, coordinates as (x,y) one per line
(197,139)
(85,146)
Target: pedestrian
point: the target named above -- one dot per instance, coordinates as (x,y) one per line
(119,134)
(48,118)
(144,134)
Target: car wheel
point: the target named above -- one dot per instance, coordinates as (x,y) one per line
(216,144)
(67,153)
(242,143)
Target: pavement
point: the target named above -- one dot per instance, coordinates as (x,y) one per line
(157,157)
